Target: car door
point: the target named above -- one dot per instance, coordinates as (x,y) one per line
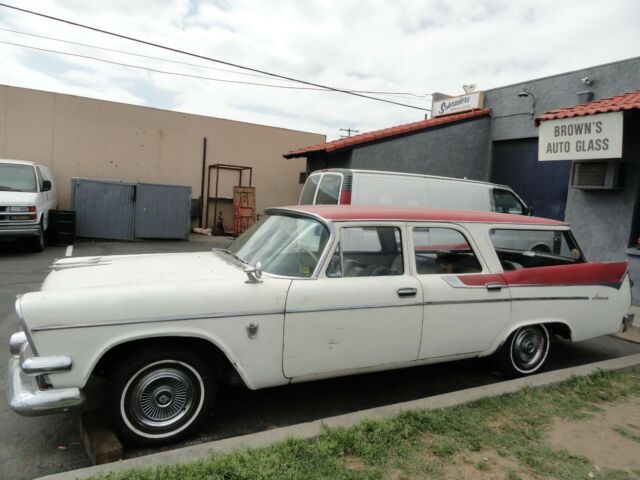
(459,318)
(364,311)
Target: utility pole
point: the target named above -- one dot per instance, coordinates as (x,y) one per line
(349,132)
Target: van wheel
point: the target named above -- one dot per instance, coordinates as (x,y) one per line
(159,396)
(38,241)
(525,351)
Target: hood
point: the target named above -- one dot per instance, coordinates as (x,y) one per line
(139,270)
(11,199)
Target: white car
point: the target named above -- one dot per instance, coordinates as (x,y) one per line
(27,193)
(309,292)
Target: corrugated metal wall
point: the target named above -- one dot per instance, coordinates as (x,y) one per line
(162,211)
(126,211)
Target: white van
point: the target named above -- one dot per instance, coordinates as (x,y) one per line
(27,193)
(337,186)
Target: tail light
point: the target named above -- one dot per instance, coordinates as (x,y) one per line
(345,197)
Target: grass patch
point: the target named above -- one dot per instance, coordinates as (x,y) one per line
(628,432)
(430,443)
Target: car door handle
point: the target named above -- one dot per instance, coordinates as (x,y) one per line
(407,292)
(493,286)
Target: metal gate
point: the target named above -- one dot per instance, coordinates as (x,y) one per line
(542,185)
(104,209)
(126,211)
(162,211)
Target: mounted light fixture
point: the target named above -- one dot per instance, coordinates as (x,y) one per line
(524,93)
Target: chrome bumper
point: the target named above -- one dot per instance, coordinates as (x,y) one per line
(19,230)
(23,393)
(627,321)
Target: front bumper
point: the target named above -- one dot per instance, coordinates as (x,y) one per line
(23,390)
(19,230)
(627,321)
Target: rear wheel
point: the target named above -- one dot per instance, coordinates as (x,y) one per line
(159,396)
(525,351)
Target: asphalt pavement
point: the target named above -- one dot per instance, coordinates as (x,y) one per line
(32,447)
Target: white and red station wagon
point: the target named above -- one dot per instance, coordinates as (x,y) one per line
(309,292)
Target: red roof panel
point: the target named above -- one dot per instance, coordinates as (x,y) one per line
(353,213)
(385,133)
(626,101)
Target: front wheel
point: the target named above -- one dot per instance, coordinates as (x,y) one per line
(159,396)
(525,351)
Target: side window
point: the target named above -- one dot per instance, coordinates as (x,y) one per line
(518,249)
(309,190)
(506,202)
(40,178)
(443,250)
(329,190)
(367,252)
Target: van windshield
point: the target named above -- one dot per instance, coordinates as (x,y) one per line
(17,178)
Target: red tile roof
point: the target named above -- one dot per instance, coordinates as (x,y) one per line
(385,133)
(404,214)
(626,101)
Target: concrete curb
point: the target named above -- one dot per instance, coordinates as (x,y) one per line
(312,429)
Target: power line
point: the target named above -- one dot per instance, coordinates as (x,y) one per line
(165,72)
(70,42)
(210,59)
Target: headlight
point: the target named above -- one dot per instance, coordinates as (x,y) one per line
(22,209)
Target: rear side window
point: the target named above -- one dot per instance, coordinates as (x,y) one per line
(518,249)
(329,190)
(309,190)
(506,202)
(442,251)
(367,252)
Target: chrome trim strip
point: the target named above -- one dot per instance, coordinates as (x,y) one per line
(38,365)
(25,398)
(168,318)
(462,302)
(527,299)
(16,341)
(64,263)
(352,307)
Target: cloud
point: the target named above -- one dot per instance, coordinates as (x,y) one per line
(405,46)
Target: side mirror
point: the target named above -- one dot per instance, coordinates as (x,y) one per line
(254,274)
(46,185)
(528,211)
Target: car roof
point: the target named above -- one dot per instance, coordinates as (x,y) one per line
(344,213)
(18,162)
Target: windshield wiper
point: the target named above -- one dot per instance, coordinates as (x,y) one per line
(230,253)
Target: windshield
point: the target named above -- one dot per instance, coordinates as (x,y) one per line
(284,245)
(19,178)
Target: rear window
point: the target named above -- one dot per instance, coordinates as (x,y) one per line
(309,190)
(329,190)
(518,249)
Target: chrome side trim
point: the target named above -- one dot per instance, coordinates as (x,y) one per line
(168,318)
(527,299)
(352,307)
(38,365)
(25,398)
(16,341)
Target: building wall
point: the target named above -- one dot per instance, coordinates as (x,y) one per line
(457,150)
(603,221)
(82,137)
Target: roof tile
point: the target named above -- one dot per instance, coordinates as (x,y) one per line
(385,133)
(626,101)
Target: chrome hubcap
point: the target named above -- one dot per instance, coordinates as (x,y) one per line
(162,397)
(529,346)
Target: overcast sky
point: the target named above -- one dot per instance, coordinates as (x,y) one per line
(409,46)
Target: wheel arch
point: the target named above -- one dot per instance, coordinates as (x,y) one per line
(554,326)
(226,369)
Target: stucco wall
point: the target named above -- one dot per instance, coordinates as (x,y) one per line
(90,138)
(602,221)
(457,150)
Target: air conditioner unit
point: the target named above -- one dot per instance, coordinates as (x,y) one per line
(607,175)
